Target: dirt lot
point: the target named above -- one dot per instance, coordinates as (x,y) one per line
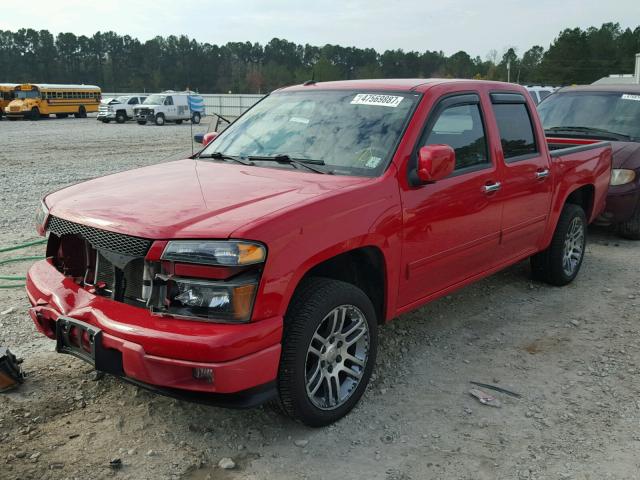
(573,353)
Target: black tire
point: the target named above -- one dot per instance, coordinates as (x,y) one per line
(178,122)
(121,116)
(142,122)
(195,118)
(549,265)
(35,114)
(631,228)
(315,298)
(82,112)
(159,119)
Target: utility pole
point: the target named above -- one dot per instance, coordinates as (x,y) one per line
(509,70)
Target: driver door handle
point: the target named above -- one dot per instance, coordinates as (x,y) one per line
(492,187)
(540,174)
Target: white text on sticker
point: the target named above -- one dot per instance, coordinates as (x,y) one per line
(628,96)
(378,100)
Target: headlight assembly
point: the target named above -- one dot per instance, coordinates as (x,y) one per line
(219,301)
(222,253)
(622,176)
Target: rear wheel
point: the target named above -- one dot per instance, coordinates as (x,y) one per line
(81,113)
(631,228)
(328,351)
(159,119)
(121,117)
(560,263)
(195,118)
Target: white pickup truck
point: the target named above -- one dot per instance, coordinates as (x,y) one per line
(119,109)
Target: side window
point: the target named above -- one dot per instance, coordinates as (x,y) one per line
(133,101)
(460,126)
(516,130)
(544,94)
(142,99)
(168,101)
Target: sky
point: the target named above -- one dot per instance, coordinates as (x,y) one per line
(448,25)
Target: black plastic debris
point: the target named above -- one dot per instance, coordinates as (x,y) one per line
(11,374)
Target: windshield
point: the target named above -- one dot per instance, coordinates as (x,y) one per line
(353,133)
(27,94)
(154,100)
(617,113)
(121,99)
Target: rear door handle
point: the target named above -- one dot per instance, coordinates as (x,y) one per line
(540,174)
(492,187)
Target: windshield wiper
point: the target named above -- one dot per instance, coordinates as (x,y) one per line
(297,162)
(599,132)
(222,156)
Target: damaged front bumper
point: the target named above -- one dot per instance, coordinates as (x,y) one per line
(164,354)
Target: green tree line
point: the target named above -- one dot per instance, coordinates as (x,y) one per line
(124,63)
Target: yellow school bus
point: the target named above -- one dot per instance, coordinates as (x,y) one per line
(37,100)
(6,95)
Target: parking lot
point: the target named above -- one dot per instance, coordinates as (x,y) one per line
(573,353)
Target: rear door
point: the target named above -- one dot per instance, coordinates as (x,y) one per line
(527,186)
(452,227)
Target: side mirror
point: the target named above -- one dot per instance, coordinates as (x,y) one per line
(209,137)
(435,162)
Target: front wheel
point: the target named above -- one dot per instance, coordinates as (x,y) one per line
(121,117)
(159,119)
(328,351)
(35,113)
(560,263)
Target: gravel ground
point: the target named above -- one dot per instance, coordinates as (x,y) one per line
(573,354)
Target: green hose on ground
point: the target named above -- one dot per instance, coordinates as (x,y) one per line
(24,245)
(16,278)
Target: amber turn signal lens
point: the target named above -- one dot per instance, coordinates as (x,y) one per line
(243,301)
(250,253)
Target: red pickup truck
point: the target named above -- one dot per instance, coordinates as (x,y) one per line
(262,267)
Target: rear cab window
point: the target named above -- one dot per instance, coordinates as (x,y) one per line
(515,126)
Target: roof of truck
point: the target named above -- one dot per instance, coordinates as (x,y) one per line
(391,84)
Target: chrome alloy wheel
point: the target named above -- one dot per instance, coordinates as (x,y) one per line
(337,357)
(573,246)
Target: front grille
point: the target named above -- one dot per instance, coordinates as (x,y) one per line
(101,239)
(142,111)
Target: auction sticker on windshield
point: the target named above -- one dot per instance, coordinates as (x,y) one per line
(379,100)
(626,96)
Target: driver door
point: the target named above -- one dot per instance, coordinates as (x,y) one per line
(452,227)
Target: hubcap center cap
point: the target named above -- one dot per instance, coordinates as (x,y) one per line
(331,354)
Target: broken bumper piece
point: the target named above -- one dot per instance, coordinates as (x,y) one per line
(10,372)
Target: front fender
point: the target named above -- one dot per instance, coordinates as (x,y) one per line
(307,235)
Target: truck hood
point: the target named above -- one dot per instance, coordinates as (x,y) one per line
(626,155)
(189,198)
